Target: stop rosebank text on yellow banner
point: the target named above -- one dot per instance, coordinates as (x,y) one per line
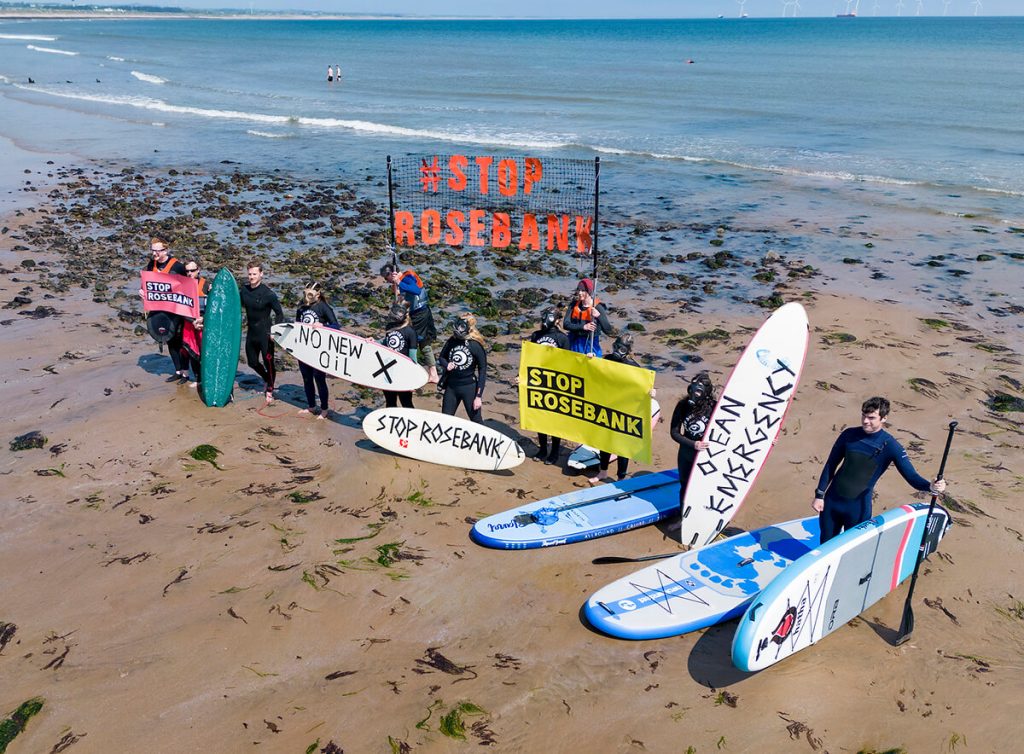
(593,401)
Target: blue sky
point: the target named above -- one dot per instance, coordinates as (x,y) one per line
(612,8)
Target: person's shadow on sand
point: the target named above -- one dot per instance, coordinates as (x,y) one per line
(156,363)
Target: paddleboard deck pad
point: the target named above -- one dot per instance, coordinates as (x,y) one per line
(340,354)
(439,438)
(582,514)
(834,583)
(745,424)
(702,587)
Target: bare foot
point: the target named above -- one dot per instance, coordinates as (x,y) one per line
(304,411)
(432,377)
(325,414)
(270,397)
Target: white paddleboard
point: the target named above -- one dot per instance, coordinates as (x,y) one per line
(745,424)
(700,587)
(341,354)
(439,438)
(834,583)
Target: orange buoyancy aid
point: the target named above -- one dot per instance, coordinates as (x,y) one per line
(583,315)
(166,268)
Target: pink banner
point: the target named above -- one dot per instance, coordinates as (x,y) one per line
(176,294)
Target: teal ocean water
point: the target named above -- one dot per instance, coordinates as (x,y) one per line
(915,122)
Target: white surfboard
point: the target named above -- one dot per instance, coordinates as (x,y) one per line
(834,583)
(341,354)
(439,438)
(745,424)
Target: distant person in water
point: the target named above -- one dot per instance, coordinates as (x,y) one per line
(259,303)
(330,74)
(858,459)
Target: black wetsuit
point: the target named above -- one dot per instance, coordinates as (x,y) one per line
(689,422)
(258,303)
(405,341)
(848,480)
(315,380)
(466,381)
(172,267)
(551,336)
(621,463)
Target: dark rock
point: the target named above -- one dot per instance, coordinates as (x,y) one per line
(28,441)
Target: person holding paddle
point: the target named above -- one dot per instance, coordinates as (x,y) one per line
(858,459)
(586,319)
(408,287)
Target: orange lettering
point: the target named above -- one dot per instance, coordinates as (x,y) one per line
(584,234)
(476,227)
(532,173)
(508,177)
(501,231)
(453,236)
(404,233)
(558,231)
(484,163)
(530,237)
(430,227)
(457,165)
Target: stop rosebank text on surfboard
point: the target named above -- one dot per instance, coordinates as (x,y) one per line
(430,433)
(740,473)
(337,343)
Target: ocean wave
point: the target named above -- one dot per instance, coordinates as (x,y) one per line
(29,37)
(148,78)
(114,57)
(267,134)
(52,50)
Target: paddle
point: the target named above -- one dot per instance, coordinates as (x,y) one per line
(549,515)
(907,624)
(606,559)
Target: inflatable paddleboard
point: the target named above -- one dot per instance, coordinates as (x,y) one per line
(222,337)
(745,424)
(701,587)
(340,354)
(833,584)
(439,438)
(582,514)
(586,457)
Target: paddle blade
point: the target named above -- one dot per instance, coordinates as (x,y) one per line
(906,625)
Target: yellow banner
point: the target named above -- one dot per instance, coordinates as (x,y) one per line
(594,401)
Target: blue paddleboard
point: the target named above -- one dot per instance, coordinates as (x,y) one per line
(582,514)
(701,587)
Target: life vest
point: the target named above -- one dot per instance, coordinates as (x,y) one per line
(416,300)
(204,285)
(171,261)
(583,315)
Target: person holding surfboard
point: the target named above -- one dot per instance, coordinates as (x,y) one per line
(162,261)
(401,337)
(689,423)
(464,362)
(586,319)
(259,302)
(858,459)
(549,334)
(408,287)
(315,310)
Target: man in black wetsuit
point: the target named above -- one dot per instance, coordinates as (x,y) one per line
(259,301)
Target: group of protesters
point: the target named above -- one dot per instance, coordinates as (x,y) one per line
(842,498)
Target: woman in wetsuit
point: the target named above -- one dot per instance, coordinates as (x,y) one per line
(689,423)
(463,365)
(401,337)
(315,310)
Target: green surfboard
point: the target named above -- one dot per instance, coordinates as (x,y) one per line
(222,337)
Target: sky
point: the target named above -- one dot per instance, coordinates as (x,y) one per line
(605,8)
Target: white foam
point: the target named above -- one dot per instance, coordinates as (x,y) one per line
(28,37)
(148,78)
(52,50)
(114,57)
(267,134)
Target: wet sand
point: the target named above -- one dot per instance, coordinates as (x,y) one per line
(310,591)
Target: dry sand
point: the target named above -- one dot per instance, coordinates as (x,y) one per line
(164,604)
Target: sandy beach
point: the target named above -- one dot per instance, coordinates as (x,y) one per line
(309,592)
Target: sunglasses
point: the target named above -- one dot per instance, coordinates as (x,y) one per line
(191,269)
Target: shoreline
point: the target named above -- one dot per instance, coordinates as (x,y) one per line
(217,607)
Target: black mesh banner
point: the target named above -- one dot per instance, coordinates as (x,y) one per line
(525,203)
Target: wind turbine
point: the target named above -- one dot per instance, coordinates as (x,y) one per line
(743,13)
(977,6)
(920,7)
(945,7)
(899,7)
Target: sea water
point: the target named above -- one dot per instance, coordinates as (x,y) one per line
(825,131)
